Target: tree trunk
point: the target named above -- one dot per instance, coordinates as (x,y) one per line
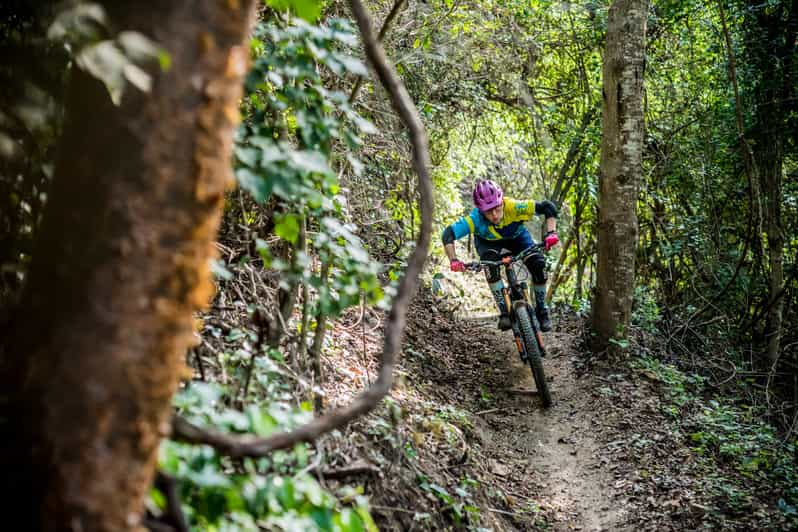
(96,348)
(772,32)
(770,168)
(580,275)
(580,269)
(621,166)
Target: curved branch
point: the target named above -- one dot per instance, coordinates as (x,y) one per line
(248,445)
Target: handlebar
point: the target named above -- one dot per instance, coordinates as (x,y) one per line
(506,260)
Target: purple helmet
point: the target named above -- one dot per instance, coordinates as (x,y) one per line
(487,195)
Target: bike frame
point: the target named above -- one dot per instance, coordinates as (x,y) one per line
(526,332)
(515,292)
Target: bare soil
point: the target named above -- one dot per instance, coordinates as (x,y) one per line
(549,458)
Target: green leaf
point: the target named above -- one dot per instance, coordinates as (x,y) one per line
(105,62)
(306,9)
(287,227)
(248,156)
(371,526)
(158,498)
(365,126)
(261,423)
(79,20)
(253,183)
(235,335)
(442,493)
(205,392)
(620,342)
(138,47)
(209,477)
(263,250)
(137,77)
(350,521)
(165,60)
(311,162)
(353,65)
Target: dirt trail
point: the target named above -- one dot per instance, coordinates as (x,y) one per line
(551,464)
(556,447)
(553,469)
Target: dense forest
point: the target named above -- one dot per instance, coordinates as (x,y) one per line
(225,303)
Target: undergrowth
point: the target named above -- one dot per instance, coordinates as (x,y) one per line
(274,493)
(744,461)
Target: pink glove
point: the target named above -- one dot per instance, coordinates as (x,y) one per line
(457,266)
(551,240)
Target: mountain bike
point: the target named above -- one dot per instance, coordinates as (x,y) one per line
(527,335)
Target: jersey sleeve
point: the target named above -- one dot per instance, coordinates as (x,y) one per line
(463,226)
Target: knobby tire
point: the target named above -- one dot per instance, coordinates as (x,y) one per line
(533,352)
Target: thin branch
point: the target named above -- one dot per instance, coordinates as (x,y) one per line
(200,363)
(508,101)
(260,320)
(775,299)
(286,297)
(572,236)
(249,445)
(558,270)
(302,242)
(360,467)
(397,6)
(315,349)
(573,150)
(174,517)
(749,163)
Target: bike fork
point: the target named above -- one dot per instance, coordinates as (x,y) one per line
(538,334)
(507,302)
(519,343)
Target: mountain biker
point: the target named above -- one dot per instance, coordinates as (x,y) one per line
(497,223)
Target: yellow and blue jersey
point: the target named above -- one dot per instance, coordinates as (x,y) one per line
(516,212)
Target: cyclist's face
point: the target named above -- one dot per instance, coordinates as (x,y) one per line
(495,215)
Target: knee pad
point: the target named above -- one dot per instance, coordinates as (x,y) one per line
(492,273)
(536,264)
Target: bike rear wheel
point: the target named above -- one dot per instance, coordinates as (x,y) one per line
(532,351)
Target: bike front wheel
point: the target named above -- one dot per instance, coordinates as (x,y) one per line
(532,351)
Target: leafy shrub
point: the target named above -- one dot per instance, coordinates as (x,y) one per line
(220,493)
(724,435)
(284,153)
(645,311)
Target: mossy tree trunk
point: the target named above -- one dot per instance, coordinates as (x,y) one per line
(96,348)
(621,167)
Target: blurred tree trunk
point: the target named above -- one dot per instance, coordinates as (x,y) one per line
(96,347)
(621,166)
